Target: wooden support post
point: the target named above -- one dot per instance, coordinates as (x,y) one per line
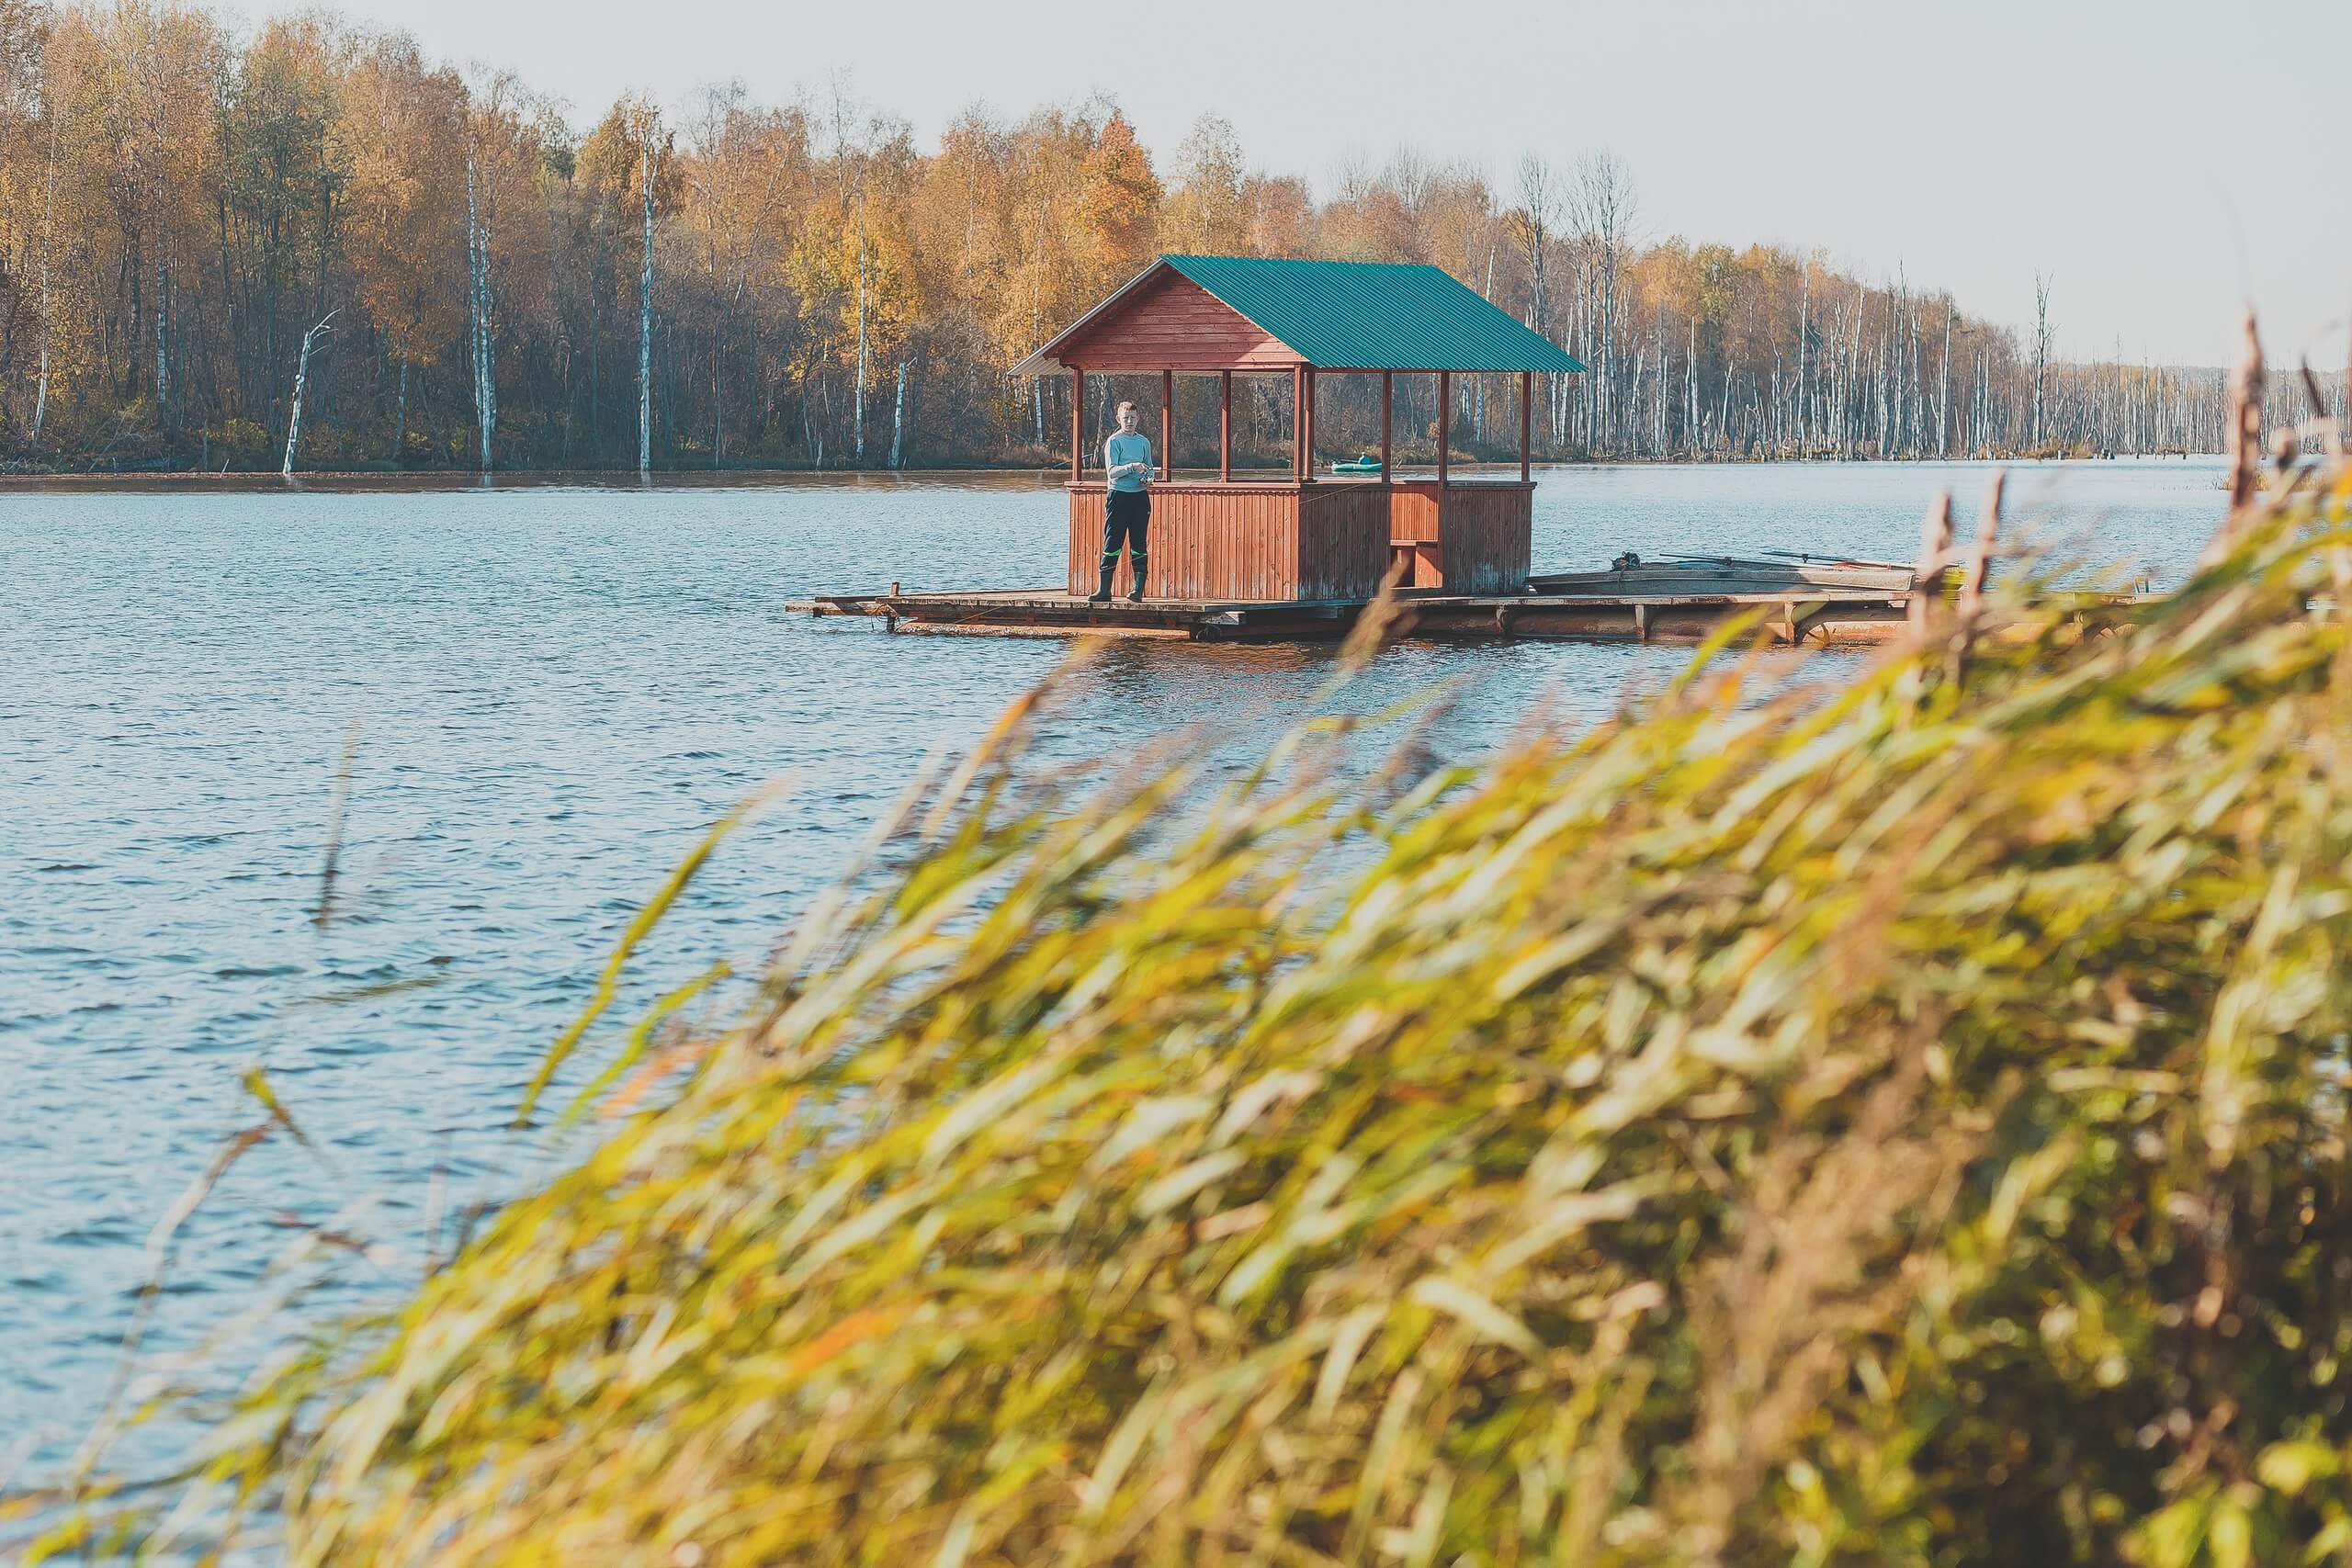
(1167,424)
(1224,427)
(1077,424)
(1297,432)
(1444,419)
(1306,431)
(1526,424)
(1387,390)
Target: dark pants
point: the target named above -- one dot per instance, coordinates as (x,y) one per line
(1126,520)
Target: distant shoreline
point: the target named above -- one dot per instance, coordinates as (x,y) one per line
(251,478)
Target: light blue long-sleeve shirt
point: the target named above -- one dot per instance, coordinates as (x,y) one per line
(1125,448)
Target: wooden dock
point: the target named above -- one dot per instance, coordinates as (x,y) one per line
(1814,615)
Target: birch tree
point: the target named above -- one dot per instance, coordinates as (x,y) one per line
(1602,205)
(480,340)
(645,313)
(301,378)
(2040,356)
(1203,213)
(35,97)
(1530,224)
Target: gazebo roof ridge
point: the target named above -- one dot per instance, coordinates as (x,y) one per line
(1324,315)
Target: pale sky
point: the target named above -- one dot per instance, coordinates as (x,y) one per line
(2158,158)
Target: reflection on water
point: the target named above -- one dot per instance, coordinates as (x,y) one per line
(558,686)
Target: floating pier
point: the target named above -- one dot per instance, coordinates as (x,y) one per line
(1822,617)
(1796,602)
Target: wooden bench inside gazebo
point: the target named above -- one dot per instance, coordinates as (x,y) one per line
(1304,537)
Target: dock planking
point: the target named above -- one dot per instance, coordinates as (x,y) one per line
(1816,618)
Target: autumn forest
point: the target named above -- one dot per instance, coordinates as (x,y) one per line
(304,244)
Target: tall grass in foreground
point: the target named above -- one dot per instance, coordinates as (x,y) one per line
(1903,1126)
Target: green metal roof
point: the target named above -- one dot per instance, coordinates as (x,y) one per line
(1351,315)
(1373,315)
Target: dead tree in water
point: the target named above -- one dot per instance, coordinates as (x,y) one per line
(301,376)
(2041,354)
(1804,361)
(1943,389)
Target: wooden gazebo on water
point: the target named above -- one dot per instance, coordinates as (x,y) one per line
(1297,556)
(1306,537)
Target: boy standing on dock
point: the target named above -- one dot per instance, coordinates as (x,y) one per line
(1126,511)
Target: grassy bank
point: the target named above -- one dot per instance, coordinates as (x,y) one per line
(1903,1125)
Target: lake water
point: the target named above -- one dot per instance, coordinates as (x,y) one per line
(557,688)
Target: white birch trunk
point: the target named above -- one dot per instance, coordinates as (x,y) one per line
(1853,374)
(485,367)
(1658,428)
(1633,396)
(1036,383)
(48,242)
(163,316)
(473,292)
(400,431)
(645,320)
(1691,388)
(2041,354)
(857,403)
(301,376)
(163,327)
(1943,389)
(898,417)
(488,355)
(1804,356)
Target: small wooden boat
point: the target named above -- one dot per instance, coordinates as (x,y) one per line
(1367,464)
(1713,575)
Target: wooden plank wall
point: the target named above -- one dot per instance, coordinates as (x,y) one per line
(1413,511)
(1343,542)
(1486,536)
(1209,542)
(1464,539)
(1272,543)
(1173,322)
